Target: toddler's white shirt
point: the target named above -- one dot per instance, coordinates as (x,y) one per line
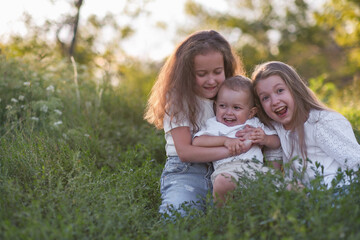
(215,128)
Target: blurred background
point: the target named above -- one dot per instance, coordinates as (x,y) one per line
(123,44)
(320,38)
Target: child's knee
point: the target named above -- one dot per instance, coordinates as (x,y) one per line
(223,183)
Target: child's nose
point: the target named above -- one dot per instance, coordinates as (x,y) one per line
(211,79)
(274,100)
(228,110)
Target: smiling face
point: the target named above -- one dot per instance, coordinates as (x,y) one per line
(209,73)
(276,100)
(233,107)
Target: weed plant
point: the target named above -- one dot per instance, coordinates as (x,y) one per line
(89,168)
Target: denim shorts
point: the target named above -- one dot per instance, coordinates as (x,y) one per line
(184,183)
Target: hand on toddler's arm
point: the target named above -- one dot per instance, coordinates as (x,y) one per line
(233,145)
(236,146)
(258,136)
(245,133)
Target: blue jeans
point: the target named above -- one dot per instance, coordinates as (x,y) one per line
(184,183)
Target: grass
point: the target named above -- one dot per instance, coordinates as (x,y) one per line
(96,175)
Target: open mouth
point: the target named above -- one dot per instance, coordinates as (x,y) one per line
(210,88)
(229,121)
(281,111)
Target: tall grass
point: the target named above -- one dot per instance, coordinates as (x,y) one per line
(91,171)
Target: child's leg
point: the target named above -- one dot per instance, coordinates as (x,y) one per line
(223,185)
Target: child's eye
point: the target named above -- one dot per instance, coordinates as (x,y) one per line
(264,98)
(221,105)
(237,108)
(218,72)
(280,90)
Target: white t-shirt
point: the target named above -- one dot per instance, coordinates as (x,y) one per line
(207,111)
(330,141)
(215,128)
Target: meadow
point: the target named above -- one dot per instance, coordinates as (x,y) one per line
(77,161)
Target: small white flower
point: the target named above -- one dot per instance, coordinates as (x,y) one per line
(88,104)
(50,88)
(8,107)
(57,111)
(0,99)
(58,123)
(64,136)
(44,108)
(34,119)
(22,106)
(14,100)
(21,97)
(26,83)
(86,135)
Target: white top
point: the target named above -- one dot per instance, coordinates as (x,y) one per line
(330,141)
(215,128)
(207,111)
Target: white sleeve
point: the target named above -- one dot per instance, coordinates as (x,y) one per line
(210,129)
(169,125)
(336,138)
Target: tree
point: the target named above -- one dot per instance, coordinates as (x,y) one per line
(288,31)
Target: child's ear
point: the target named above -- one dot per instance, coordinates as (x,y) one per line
(253,111)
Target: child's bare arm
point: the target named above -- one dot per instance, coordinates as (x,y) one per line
(234,145)
(258,136)
(209,141)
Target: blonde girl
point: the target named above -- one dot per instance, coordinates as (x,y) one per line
(181,101)
(311,135)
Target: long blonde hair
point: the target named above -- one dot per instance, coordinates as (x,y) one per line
(304,99)
(174,91)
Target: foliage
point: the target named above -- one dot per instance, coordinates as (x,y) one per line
(321,42)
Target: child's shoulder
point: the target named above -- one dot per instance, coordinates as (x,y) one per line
(321,116)
(254,121)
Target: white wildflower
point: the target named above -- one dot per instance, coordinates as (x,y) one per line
(57,111)
(0,99)
(58,123)
(86,135)
(14,100)
(88,104)
(34,119)
(64,136)
(44,108)
(50,88)
(22,106)
(21,98)
(8,107)
(26,83)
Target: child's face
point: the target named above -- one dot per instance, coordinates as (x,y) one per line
(233,107)
(209,72)
(276,99)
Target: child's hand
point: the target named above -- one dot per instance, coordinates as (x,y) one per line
(258,136)
(245,133)
(236,146)
(233,145)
